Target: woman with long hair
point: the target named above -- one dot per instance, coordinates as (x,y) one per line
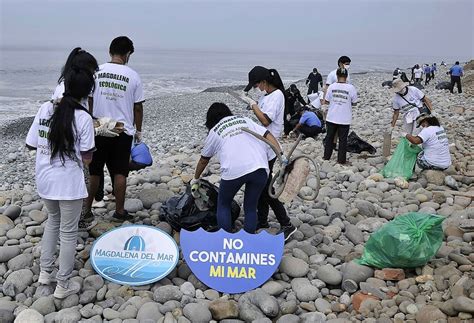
(63,135)
(270,111)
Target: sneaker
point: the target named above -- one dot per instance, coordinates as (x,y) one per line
(46,278)
(288,231)
(122,217)
(98,204)
(63,292)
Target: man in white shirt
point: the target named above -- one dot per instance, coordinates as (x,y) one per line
(118,95)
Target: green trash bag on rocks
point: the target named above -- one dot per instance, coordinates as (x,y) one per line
(403,160)
(408,241)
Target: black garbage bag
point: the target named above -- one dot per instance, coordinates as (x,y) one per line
(356,145)
(443,86)
(186,212)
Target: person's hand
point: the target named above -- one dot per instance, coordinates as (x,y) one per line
(138,137)
(195,187)
(284,161)
(292,134)
(248,100)
(104,131)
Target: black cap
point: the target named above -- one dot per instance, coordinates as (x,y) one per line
(257,74)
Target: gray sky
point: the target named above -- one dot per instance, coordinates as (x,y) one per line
(412,27)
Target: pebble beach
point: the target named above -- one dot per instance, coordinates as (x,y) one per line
(354,201)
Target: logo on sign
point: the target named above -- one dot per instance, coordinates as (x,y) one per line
(232,262)
(134,255)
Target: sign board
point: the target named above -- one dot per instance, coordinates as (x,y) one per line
(134,255)
(232,262)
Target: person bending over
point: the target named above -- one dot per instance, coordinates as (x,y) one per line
(243,160)
(434,142)
(309,124)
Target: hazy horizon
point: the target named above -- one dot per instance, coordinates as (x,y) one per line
(383,27)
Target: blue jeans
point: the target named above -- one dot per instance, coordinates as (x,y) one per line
(254,184)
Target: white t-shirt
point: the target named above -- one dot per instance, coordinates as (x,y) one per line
(341,96)
(59,92)
(418,72)
(273,105)
(117,89)
(54,180)
(332,78)
(239,153)
(435,146)
(414,96)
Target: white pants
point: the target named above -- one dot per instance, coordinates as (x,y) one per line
(63,217)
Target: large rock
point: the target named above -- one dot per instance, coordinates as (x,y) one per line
(17,282)
(293,267)
(329,275)
(224,309)
(337,205)
(464,304)
(29,316)
(262,304)
(366,208)
(9,252)
(197,313)
(429,313)
(149,313)
(6,311)
(6,222)
(133,205)
(38,216)
(101,228)
(44,305)
(24,260)
(354,234)
(305,292)
(434,177)
(356,272)
(370,224)
(13,212)
(167,293)
(151,196)
(68,315)
(314,317)
(94,282)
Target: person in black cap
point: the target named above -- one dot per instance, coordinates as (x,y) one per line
(314,79)
(270,111)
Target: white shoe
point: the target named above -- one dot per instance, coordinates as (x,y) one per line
(72,288)
(46,278)
(98,204)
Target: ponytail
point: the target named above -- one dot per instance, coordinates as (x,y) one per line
(62,133)
(78,58)
(275,80)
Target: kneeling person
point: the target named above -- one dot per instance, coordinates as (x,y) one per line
(433,140)
(308,124)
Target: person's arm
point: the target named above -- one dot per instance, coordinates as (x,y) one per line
(87,157)
(414,139)
(273,141)
(297,127)
(138,120)
(262,117)
(307,79)
(300,99)
(427,102)
(320,80)
(201,165)
(395,117)
(91,105)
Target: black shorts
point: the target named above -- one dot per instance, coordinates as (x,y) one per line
(113,152)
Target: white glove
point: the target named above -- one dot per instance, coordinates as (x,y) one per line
(292,134)
(284,161)
(248,100)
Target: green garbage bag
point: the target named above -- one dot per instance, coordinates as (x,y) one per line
(403,160)
(408,241)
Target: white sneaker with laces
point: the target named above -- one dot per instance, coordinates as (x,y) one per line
(62,292)
(98,204)
(46,278)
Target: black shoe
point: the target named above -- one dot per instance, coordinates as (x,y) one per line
(263,225)
(87,221)
(122,217)
(288,231)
